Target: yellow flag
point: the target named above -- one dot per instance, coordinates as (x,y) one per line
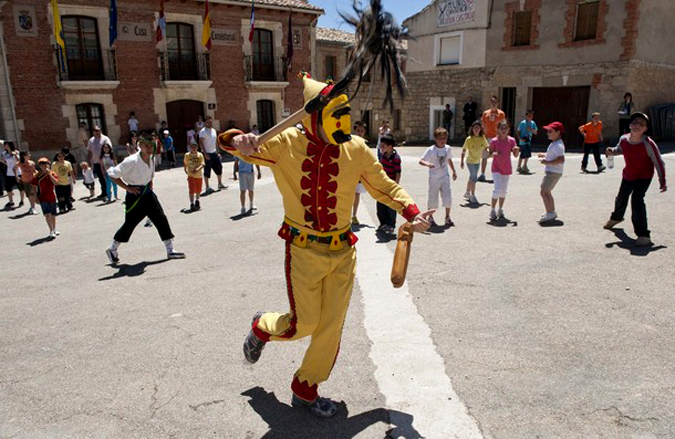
(58,31)
(206,32)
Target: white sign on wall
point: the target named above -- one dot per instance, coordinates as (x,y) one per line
(454,12)
(24,21)
(129,31)
(224,37)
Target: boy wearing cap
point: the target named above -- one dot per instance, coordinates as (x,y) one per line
(641,156)
(592,132)
(554,159)
(45,182)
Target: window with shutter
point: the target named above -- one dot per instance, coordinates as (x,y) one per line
(587,20)
(522,26)
(450,50)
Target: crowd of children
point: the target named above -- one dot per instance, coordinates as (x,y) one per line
(50,183)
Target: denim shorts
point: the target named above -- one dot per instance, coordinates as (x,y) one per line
(48,207)
(473,171)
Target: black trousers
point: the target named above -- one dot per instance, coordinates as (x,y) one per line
(588,149)
(386,215)
(100,174)
(148,205)
(636,190)
(63,197)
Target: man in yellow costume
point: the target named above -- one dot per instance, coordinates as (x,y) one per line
(316,172)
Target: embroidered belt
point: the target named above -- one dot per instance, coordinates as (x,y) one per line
(300,238)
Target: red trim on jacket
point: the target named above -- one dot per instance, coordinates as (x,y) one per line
(320,185)
(304,391)
(410,212)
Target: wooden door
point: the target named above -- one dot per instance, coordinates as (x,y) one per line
(568,105)
(181,116)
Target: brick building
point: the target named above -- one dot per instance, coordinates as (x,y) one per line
(565,59)
(332,54)
(43,101)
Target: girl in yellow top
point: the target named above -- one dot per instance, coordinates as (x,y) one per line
(193,164)
(64,170)
(475,144)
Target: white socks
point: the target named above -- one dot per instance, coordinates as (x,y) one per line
(114,246)
(169,245)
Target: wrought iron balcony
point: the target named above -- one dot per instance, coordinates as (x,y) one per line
(274,69)
(185,66)
(94,65)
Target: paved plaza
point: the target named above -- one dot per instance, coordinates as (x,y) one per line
(505,330)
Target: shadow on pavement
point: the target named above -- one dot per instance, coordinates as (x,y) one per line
(552,223)
(469,205)
(627,243)
(126,270)
(19,216)
(502,222)
(243,215)
(286,421)
(40,241)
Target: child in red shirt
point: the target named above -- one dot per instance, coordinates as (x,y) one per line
(44,182)
(642,157)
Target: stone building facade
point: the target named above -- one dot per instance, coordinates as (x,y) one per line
(332,55)
(563,59)
(43,100)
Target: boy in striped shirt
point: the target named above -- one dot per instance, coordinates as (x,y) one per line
(391,162)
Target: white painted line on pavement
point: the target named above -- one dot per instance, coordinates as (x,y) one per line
(409,372)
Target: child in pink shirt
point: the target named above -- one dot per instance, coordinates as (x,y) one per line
(501,148)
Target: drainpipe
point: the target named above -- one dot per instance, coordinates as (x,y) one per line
(8,84)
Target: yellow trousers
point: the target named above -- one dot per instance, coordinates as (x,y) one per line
(319,283)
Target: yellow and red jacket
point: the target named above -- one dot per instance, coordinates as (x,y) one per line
(318,181)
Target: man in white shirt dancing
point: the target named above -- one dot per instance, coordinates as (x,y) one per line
(207,143)
(135,175)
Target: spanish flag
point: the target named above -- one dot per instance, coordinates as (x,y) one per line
(58,35)
(206,30)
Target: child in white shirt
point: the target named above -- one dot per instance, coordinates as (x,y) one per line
(88,175)
(437,158)
(554,160)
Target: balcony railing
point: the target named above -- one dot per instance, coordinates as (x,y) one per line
(185,66)
(95,66)
(273,71)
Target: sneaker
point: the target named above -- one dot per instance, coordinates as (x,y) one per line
(52,235)
(481,177)
(112,256)
(526,170)
(148,223)
(32,211)
(519,170)
(253,346)
(20,203)
(243,210)
(601,168)
(197,205)
(493,215)
(390,230)
(473,199)
(56,233)
(192,207)
(209,190)
(9,204)
(222,186)
(320,407)
(355,221)
(467,195)
(449,222)
(173,254)
(500,213)
(584,170)
(253,207)
(643,241)
(548,216)
(611,223)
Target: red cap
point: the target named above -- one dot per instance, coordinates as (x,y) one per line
(557,126)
